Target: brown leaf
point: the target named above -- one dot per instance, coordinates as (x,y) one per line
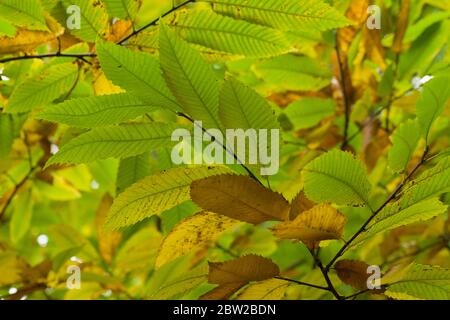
(353,273)
(299,204)
(239,197)
(244,269)
(322,222)
(233,274)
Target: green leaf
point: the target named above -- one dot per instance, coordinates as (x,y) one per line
(308,112)
(94,19)
(96,111)
(9,129)
(285,15)
(175,279)
(190,78)
(156,194)
(395,216)
(432,102)
(123,9)
(21,217)
(29,14)
(132,170)
(404,143)
(224,34)
(7,28)
(136,72)
(337,177)
(121,141)
(43,89)
(422,282)
(139,251)
(431,183)
(291,72)
(241,107)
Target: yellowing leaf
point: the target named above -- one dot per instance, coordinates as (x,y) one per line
(11,267)
(323,222)
(272,289)
(103,86)
(156,194)
(107,241)
(192,234)
(239,197)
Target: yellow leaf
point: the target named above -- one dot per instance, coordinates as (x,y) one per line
(193,233)
(272,289)
(103,86)
(11,267)
(119,30)
(27,40)
(322,222)
(107,240)
(239,197)
(222,292)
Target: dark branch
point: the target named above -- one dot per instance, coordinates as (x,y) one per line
(326,276)
(80,56)
(303,283)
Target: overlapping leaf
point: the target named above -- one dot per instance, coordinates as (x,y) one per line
(121,141)
(97,111)
(36,92)
(225,34)
(192,234)
(191,79)
(337,177)
(322,222)
(155,194)
(138,73)
(285,15)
